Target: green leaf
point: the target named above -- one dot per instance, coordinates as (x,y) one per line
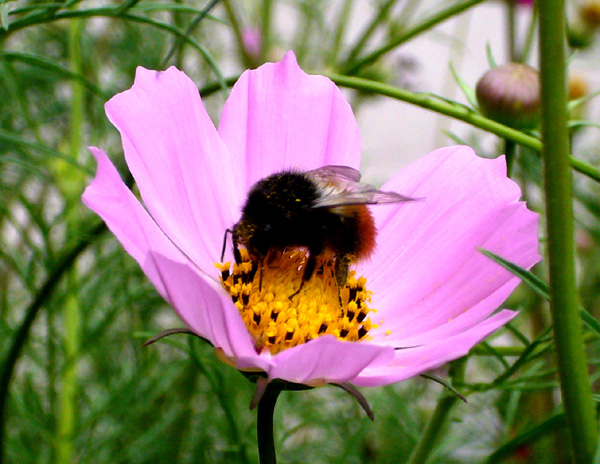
(4,16)
(149,7)
(530,435)
(455,137)
(580,101)
(597,454)
(18,141)
(576,124)
(457,111)
(466,89)
(490,56)
(517,333)
(442,382)
(530,279)
(541,288)
(495,354)
(45,63)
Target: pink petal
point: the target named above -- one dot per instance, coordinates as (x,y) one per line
(326,360)
(204,307)
(428,270)
(108,196)
(208,310)
(406,337)
(410,362)
(187,178)
(200,302)
(279,117)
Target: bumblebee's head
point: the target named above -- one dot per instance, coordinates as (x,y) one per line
(255,237)
(260,241)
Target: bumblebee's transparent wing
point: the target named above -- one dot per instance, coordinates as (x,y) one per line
(339,186)
(335,174)
(370,196)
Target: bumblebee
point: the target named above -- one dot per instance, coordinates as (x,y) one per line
(323,210)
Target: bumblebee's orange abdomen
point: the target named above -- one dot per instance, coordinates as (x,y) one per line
(356,236)
(366,232)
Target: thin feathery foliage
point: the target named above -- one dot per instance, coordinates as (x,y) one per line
(76,382)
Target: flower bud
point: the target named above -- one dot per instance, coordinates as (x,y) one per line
(577,86)
(585,243)
(510,94)
(589,12)
(251,41)
(579,36)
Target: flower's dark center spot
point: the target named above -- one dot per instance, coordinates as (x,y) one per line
(261,292)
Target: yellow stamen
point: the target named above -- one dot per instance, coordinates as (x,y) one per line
(281,312)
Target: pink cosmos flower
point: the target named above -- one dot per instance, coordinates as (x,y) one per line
(434,293)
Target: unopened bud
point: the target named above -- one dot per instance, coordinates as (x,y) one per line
(589,12)
(579,36)
(577,86)
(510,94)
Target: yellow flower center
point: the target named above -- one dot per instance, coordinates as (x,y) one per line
(281,312)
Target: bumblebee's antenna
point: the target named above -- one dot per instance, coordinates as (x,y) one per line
(230,231)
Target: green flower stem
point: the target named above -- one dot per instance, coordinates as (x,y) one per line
(67,410)
(511,28)
(434,428)
(266,16)
(63,263)
(430,102)
(529,436)
(445,107)
(305,31)
(47,64)
(177,49)
(380,17)
(128,5)
(264,425)
(510,151)
(67,398)
(572,363)
(340,30)
(215,380)
(456,111)
(433,103)
(434,20)
(531,28)
(237,32)
(114,12)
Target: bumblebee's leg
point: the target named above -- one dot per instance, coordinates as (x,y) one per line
(227,231)
(236,251)
(309,268)
(311,263)
(342,265)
